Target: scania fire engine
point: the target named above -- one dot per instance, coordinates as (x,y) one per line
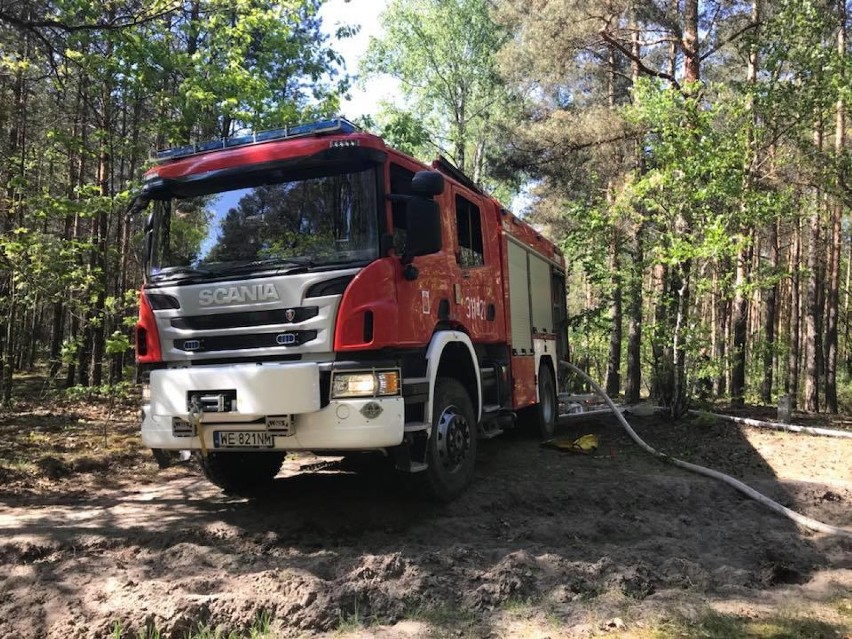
(312,289)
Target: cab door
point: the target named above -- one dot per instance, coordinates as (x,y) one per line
(424,299)
(477,290)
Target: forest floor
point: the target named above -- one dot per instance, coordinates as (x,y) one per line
(96,541)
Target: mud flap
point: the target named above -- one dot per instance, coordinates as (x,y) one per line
(410,455)
(165,458)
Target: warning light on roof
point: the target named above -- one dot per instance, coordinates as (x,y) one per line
(333,125)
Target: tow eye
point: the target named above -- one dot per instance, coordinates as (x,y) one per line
(196,412)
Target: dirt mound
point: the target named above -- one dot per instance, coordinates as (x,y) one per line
(576,541)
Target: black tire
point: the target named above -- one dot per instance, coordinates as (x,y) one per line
(451,450)
(543,415)
(165,458)
(242,472)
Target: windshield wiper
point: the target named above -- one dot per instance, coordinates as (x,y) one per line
(350,260)
(179,272)
(295,264)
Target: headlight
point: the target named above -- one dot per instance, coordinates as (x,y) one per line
(365,384)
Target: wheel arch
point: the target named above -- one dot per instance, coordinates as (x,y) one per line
(546,361)
(451,354)
(545,356)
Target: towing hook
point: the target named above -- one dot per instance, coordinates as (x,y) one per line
(196,411)
(195,408)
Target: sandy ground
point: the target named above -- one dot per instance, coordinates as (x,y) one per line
(544,544)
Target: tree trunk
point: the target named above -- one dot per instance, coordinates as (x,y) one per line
(662,381)
(681,291)
(613,374)
(770,316)
(13,153)
(792,382)
(57,326)
(812,308)
(846,295)
(633,380)
(833,293)
(720,329)
(740,329)
(831,309)
(691,57)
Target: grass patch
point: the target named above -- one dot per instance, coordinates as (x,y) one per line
(260,629)
(447,620)
(844,607)
(352,620)
(520,605)
(714,625)
(445,616)
(52,442)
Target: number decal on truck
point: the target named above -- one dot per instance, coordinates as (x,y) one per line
(474,307)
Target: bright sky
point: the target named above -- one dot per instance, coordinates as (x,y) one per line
(334,13)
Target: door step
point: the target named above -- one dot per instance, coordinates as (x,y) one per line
(495,420)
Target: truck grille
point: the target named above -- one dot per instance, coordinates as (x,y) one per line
(252,318)
(238,342)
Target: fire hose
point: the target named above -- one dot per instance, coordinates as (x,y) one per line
(802,520)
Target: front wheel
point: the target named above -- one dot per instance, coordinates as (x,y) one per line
(451,449)
(242,472)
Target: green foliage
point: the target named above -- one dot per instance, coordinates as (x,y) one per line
(121,391)
(117,343)
(443,52)
(80,111)
(402,130)
(694,188)
(247,64)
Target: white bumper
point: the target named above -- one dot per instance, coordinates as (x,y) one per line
(268,390)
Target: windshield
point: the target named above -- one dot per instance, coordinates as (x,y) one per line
(313,221)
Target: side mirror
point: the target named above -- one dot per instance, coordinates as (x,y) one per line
(149,248)
(427,183)
(149,233)
(423,236)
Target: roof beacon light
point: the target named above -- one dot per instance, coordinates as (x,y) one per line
(333,125)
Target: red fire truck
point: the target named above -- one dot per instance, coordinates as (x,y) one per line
(312,289)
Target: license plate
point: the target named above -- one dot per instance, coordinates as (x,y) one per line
(243,439)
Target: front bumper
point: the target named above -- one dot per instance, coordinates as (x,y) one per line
(268,390)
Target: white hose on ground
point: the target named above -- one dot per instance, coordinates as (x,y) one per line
(793,428)
(800,519)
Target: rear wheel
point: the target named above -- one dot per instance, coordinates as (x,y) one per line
(242,472)
(451,449)
(542,416)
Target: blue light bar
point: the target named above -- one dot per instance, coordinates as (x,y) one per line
(274,134)
(333,125)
